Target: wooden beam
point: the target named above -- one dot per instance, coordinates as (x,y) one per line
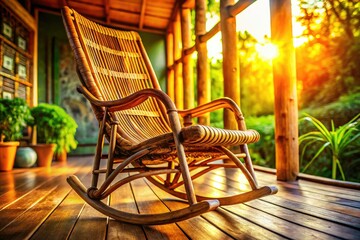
(186,59)
(233,11)
(113,24)
(175,10)
(231,72)
(107,11)
(20,11)
(62,3)
(203,83)
(207,36)
(179,97)
(239,6)
(27,5)
(170,86)
(203,38)
(286,108)
(188,4)
(34,50)
(142,14)
(190,50)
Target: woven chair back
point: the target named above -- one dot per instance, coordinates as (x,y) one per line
(113,64)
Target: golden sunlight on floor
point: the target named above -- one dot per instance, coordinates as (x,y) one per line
(38,203)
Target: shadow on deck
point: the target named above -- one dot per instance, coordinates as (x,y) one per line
(37,203)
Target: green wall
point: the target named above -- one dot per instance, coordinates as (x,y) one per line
(155,48)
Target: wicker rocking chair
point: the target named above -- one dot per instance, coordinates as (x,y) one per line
(144,129)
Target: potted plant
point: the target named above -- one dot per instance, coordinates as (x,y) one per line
(14,115)
(54,127)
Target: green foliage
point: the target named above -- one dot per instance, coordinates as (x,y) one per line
(54,125)
(213,7)
(340,111)
(327,65)
(14,115)
(263,151)
(337,140)
(217,91)
(256,83)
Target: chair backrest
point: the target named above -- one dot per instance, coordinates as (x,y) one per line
(113,64)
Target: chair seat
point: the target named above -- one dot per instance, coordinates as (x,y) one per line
(198,141)
(199,135)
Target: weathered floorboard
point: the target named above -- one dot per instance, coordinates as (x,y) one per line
(37,203)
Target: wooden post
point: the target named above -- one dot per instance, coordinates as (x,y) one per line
(187,62)
(286,111)
(34,93)
(179,98)
(203,83)
(170,86)
(231,70)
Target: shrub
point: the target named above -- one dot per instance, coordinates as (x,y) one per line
(54,125)
(263,151)
(14,115)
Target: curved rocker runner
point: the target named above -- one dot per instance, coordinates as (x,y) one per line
(143,127)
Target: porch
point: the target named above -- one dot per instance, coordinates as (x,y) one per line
(37,203)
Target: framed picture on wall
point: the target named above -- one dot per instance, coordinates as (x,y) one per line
(7,30)
(8,63)
(7,95)
(21,43)
(22,71)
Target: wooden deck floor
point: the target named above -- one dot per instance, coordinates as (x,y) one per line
(39,204)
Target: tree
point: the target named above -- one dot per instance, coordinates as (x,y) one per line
(327,65)
(257,89)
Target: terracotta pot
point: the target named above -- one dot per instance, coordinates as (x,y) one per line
(45,153)
(7,155)
(61,157)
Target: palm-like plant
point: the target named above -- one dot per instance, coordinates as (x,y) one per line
(337,140)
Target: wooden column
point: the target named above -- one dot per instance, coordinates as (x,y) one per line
(286,108)
(231,70)
(187,62)
(170,86)
(179,98)
(203,83)
(34,50)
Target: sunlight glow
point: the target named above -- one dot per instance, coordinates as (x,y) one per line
(243,182)
(267,51)
(256,20)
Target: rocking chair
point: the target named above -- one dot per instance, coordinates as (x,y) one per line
(144,130)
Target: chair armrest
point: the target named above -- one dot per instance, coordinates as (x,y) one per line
(137,98)
(220,103)
(129,101)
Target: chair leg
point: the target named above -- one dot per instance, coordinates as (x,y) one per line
(189,187)
(240,165)
(248,162)
(255,193)
(112,143)
(98,153)
(176,128)
(170,176)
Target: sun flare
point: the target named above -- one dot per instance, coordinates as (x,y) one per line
(267,51)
